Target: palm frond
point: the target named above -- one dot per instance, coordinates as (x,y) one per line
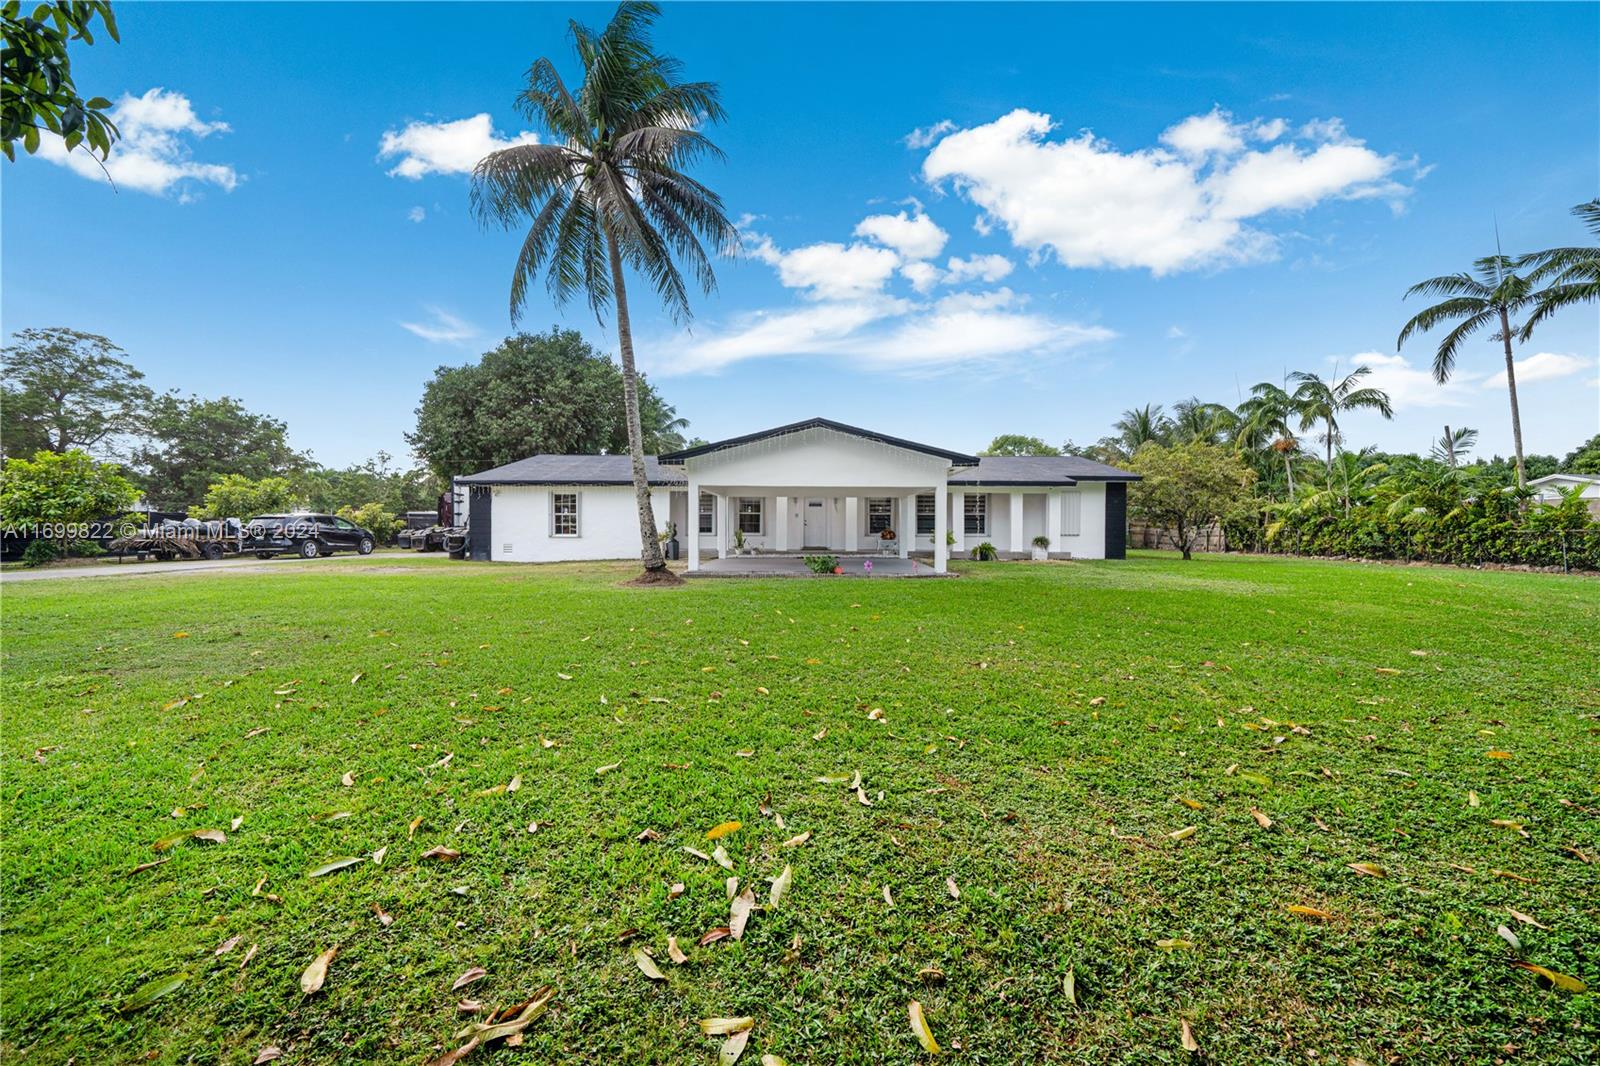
(1450,285)
(1444,360)
(1425,320)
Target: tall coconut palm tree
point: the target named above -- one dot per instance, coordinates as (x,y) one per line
(1264,423)
(1573,274)
(1491,298)
(1140,425)
(1196,420)
(1318,399)
(608,194)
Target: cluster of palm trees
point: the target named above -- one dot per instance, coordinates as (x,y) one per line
(1499,290)
(1265,428)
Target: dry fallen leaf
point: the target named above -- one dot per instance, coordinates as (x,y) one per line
(227,946)
(675,890)
(1560,980)
(781,885)
(721,932)
(477,973)
(888,897)
(1174,944)
(1307,912)
(270,1053)
(739,913)
(601,771)
(1526,919)
(1193,805)
(1368,869)
(385,919)
(1261,818)
(720,831)
(721,857)
(647,965)
(733,1047)
(1186,1038)
(1069,987)
(348,779)
(796,841)
(724,1026)
(442,853)
(1185,833)
(315,974)
(237,822)
(919,1026)
(377,856)
(950,887)
(675,953)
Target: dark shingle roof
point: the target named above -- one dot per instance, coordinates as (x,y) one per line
(575,470)
(955,458)
(1038,470)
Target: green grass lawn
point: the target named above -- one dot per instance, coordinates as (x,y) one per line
(1039,726)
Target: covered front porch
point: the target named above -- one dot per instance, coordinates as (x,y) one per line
(742,521)
(857,566)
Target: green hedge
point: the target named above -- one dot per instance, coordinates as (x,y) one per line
(1491,529)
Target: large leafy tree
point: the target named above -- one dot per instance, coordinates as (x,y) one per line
(38,93)
(1019,444)
(65,389)
(1584,459)
(1489,297)
(193,442)
(55,492)
(547,392)
(1571,276)
(1187,487)
(610,195)
(376,481)
(236,496)
(1326,400)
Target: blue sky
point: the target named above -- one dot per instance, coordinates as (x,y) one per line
(959,220)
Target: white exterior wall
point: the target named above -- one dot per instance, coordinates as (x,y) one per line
(1090,540)
(608,523)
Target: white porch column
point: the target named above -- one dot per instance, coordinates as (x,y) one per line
(781,517)
(941,529)
(724,525)
(1052,520)
(691,519)
(908,524)
(1017,540)
(852,522)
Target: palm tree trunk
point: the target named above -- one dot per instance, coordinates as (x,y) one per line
(1288,472)
(649,546)
(1511,387)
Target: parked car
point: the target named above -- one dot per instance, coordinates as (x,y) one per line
(307,535)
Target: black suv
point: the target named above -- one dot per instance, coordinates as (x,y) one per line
(306,535)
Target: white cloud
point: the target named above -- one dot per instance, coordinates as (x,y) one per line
(416,214)
(1408,386)
(444,147)
(990,268)
(1175,333)
(828,270)
(1541,366)
(154,153)
(919,139)
(443,328)
(922,275)
(913,236)
(1182,206)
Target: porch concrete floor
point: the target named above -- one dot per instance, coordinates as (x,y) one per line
(790,566)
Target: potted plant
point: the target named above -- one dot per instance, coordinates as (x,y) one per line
(669,541)
(1041,548)
(738,541)
(986,553)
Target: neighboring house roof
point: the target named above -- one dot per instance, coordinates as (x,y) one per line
(575,470)
(955,458)
(1038,470)
(1580,478)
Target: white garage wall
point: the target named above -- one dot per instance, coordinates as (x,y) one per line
(608,523)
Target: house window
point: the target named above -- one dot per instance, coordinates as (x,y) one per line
(708,513)
(750,514)
(977,514)
(564,514)
(927,515)
(1071,514)
(880,515)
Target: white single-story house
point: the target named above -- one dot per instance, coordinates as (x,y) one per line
(1545,489)
(811,487)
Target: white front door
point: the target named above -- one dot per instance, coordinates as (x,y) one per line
(814,531)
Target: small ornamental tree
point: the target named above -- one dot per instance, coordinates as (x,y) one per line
(55,496)
(236,496)
(1188,487)
(383,523)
